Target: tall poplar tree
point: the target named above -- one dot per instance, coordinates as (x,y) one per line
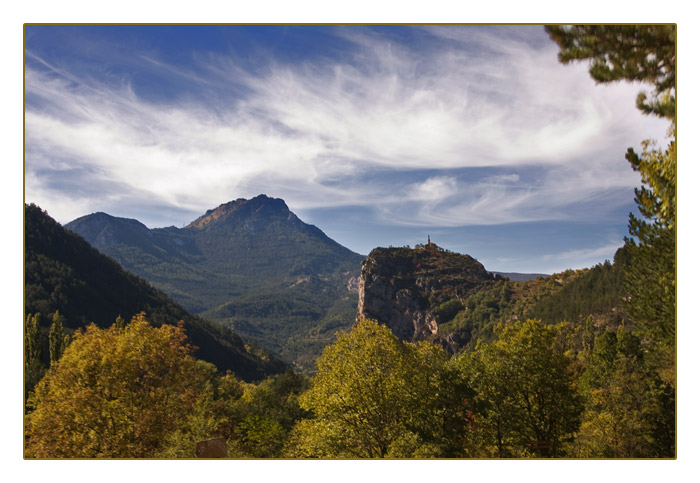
(33,366)
(58,340)
(32,339)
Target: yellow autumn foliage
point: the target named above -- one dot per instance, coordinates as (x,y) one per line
(116,393)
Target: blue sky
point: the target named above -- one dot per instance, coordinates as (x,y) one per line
(378,135)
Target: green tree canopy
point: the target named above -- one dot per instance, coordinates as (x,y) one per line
(33,366)
(644,53)
(526,394)
(629,410)
(58,339)
(374,396)
(259,422)
(651,280)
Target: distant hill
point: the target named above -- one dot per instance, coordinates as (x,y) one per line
(521,277)
(63,272)
(251,265)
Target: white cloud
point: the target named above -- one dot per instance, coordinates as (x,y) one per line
(502,179)
(308,132)
(575,258)
(587,255)
(433,189)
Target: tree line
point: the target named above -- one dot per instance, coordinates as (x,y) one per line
(135,391)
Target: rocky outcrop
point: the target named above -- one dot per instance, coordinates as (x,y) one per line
(399,309)
(405,288)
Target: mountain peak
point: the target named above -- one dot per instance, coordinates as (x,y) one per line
(254,266)
(104,230)
(262,204)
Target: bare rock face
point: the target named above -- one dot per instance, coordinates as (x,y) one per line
(353,284)
(397,308)
(403,288)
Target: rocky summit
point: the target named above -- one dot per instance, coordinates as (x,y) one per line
(411,290)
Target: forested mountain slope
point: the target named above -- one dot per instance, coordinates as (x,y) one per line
(251,265)
(64,273)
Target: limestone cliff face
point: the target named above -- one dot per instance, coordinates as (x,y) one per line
(405,288)
(398,309)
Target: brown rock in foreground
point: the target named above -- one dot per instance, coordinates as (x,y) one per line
(212,448)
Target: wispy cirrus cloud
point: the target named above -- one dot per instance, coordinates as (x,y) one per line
(593,255)
(455,126)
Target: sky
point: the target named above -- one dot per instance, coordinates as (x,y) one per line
(379,135)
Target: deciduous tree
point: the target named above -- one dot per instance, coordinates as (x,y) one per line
(525,390)
(629,410)
(58,340)
(116,393)
(374,396)
(260,420)
(33,366)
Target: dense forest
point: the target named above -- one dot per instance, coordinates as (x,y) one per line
(576,365)
(592,296)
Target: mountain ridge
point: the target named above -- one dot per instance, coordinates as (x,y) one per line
(251,265)
(63,272)
(521,277)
